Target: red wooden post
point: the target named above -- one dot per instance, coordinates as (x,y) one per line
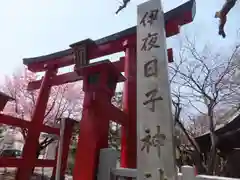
(99,84)
(93,126)
(55,165)
(67,140)
(31,144)
(66,144)
(129,134)
(92,137)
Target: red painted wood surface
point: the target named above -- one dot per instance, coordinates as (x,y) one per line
(129,133)
(32,139)
(66,145)
(94,52)
(94,125)
(17,122)
(73,76)
(93,136)
(18,162)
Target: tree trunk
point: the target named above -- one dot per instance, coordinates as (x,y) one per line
(213,137)
(196,156)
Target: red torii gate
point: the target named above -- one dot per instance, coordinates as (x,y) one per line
(99,88)
(21,123)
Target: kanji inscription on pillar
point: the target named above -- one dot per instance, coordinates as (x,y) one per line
(156,140)
(154,115)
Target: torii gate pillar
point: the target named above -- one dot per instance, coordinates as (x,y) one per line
(128,133)
(99,83)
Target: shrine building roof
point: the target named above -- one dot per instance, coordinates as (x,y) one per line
(228,135)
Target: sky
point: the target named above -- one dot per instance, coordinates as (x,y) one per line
(32,28)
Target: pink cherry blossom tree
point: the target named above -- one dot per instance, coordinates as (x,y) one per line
(64,101)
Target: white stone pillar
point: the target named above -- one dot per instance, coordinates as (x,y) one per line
(156,150)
